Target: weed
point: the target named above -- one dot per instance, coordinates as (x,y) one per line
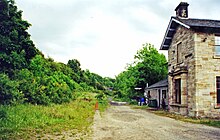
(25,121)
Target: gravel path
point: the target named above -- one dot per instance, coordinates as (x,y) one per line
(124,123)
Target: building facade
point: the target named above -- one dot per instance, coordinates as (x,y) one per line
(194,64)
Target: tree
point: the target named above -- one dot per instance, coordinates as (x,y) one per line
(16,47)
(149,67)
(26,76)
(74,64)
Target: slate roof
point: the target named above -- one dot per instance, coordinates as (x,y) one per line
(200,22)
(204,25)
(160,84)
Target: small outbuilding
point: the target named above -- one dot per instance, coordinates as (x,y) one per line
(158,92)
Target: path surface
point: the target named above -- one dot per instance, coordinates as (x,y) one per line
(124,123)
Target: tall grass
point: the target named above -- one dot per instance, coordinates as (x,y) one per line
(28,121)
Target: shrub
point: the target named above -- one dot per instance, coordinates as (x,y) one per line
(9,93)
(27,83)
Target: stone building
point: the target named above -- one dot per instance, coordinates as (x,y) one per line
(194,64)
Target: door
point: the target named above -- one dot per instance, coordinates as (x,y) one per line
(159,98)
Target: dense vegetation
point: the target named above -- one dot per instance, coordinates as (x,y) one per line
(37,93)
(26,76)
(149,66)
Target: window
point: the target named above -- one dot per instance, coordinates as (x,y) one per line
(164,94)
(217,45)
(218,89)
(179,52)
(178,91)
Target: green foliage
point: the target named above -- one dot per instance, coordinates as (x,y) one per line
(87,80)
(102,101)
(16,47)
(28,76)
(149,67)
(97,81)
(43,85)
(133,102)
(101,96)
(46,82)
(9,93)
(85,87)
(77,72)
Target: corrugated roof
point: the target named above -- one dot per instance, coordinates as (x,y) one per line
(163,83)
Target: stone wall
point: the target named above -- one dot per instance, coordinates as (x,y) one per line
(197,70)
(184,70)
(207,68)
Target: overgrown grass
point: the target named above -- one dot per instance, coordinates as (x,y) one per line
(206,121)
(28,121)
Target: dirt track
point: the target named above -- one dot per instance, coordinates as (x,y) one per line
(124,123)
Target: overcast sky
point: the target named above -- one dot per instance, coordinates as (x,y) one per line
(104,35)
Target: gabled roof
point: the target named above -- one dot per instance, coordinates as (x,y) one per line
(189,23)
(160,84)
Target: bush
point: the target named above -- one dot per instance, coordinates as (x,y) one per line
(86,87)
(101,96)
(9,93)
(45,89)
(27,83)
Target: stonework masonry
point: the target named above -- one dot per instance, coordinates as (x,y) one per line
(197,67)
(206,70)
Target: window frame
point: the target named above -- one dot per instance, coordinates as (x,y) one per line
(218,90)
(217,44)
(177,91)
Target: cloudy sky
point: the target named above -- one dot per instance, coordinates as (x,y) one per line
(104,35)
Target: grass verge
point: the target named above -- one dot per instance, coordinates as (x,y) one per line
(139,107)
(28,121)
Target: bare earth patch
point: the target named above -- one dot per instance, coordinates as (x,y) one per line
(123,123)
(66,135)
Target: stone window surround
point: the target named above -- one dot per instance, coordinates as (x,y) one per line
(217,44)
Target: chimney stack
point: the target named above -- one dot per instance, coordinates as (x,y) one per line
(182,10)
